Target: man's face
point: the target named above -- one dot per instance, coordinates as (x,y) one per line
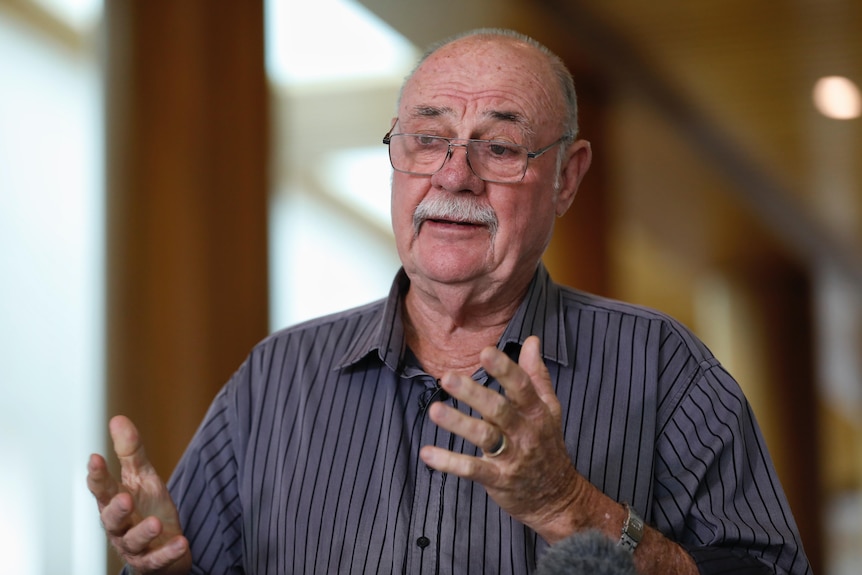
(492,91)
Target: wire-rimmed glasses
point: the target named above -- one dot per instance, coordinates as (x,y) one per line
(492,160)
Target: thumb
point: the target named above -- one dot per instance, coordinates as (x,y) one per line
(128,446)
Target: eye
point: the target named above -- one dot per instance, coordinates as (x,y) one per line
(501,150)
(425,140)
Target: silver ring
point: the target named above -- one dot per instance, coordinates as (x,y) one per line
(499,448)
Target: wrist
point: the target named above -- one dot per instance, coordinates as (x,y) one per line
(586,508)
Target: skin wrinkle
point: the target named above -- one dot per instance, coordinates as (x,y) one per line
(558,68)
(495,116)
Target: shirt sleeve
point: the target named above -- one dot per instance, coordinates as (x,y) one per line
(717,492)
(727,561)
(205,488)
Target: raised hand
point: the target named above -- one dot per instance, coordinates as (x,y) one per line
(525,468)
(138,514)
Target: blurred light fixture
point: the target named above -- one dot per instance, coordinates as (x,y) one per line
(356,44)
(837,97)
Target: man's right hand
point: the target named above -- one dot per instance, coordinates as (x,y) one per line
(138,514)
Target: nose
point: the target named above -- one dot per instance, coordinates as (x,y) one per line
(457,174)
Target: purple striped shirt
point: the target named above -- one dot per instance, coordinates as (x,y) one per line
(308,459)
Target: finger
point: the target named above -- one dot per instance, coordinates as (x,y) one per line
(458,464)
(171,552)
(100,482)
(533,364)
(479,432)
(511,376)
(491,405)
(118,516)
(139,538)
(128,447)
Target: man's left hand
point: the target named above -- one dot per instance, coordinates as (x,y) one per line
(532,478)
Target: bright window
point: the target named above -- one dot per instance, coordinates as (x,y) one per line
(51,380)
(336,70)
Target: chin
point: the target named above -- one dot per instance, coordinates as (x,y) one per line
(448,272)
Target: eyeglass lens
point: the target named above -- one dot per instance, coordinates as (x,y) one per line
(425,155)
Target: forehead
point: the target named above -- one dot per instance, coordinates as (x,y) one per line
(486,80)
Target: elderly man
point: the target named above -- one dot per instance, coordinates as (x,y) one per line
(479,413)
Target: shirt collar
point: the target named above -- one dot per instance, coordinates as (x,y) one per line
(541,314)
(386,333)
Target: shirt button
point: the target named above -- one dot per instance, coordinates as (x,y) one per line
(423,542)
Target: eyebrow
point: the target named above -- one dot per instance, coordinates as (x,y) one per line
(434,112)
(498,115)
(512,117)
(430,111)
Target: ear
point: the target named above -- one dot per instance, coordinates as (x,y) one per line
(572,172)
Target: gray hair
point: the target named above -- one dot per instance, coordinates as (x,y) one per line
(564,77)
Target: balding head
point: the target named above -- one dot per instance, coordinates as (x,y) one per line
(556,68)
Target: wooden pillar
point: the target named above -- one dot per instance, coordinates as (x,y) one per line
(783,294)
(187,182)
(579,255)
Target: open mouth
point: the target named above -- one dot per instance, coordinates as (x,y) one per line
(450,224)
(453,222)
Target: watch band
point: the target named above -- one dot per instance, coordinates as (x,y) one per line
(633,530)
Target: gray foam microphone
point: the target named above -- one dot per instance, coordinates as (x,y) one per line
(586,553)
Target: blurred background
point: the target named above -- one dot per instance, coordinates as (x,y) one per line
(178,179)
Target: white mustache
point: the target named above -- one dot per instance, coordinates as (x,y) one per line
(457,208)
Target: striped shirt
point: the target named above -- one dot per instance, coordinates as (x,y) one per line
(308,459)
